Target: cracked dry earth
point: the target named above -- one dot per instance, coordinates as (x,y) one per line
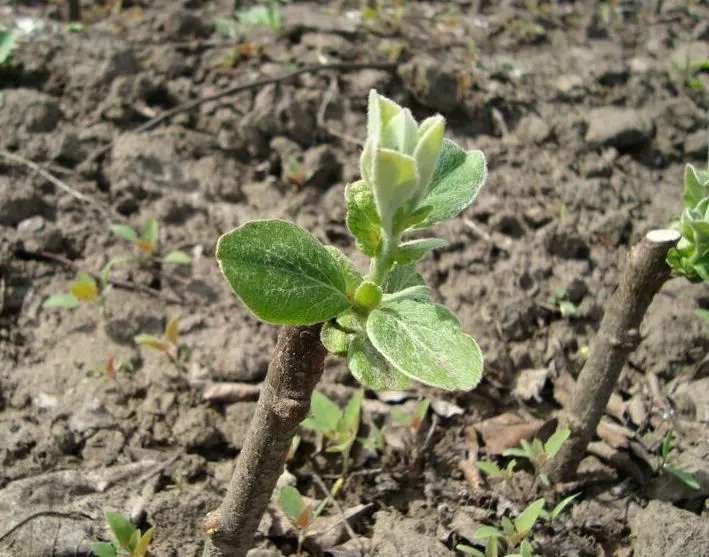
(586,121)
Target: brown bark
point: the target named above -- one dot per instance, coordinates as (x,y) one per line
(284,402)
(645,273)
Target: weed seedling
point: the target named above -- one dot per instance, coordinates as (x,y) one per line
(412,420)
(537,453)
(495,471)
(168,344)
(126,539)
(663,466)
(299,513)
(147,244)
(85,289)
(337,426)
(566,307)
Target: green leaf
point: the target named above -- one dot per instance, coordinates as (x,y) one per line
(561,506)
(290,502)
(696,186)
(178,257)
(8,43)
(469,550)
(324,414)
(394,181)
(362,217)
(63,301)
(124,231)
(487,532)
(351,413)
(507,526)
(525,549)
(352,276)
(490,468)
(703,313)
(515,451)
(666,444)
(401,277)
(684,476)
(413,250)
(455,183)
(142,547)
(150,231)
(121,527)
(134,541)
(424,342)
(417,293)
(334,339)
(371,369)
(103,549)
(152,342)
(526,521)
(554,443)
(282,273)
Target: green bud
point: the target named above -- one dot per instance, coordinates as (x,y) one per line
(368,295)
(428,149)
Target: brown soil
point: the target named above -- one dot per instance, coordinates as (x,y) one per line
(586,124)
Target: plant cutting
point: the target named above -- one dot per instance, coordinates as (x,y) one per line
(680,251)
(384,323)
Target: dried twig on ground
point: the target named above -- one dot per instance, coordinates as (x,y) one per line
(645,273)
(284,403)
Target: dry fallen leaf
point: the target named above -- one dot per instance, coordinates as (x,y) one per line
(506,431)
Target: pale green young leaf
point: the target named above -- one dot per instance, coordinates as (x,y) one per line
(537,447)
(515,451)
(121,527)
(362,217)
(324,414)
(507,526)
(554,443)
(134,541)
(150,231)
(334,339)
(487,532)
(490,468)
(428,147)
(683,475)
(290,502)
(424,341)
(469,550)
(368,296)
(455,183)
(351,413)
(142,547)
(349,272)
(124,231)
(417,293)
(282,273)
(561,506)
(401,277)
(103,549)
(64,300)
(394,182)
(413,250)
(177,257)
(525,549)
(371,369)
(696,186)
(528,518)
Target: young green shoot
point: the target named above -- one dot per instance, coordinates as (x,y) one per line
(496,472)
(84,289)
(337,426)
(168,344)
(664,466)
(126,539)
(384,323)
(299,513)
(147,244)
(566,307)
(538,453)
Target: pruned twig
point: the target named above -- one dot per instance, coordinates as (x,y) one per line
(645,273)
(284,402)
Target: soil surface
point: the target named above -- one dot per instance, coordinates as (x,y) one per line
(586,112)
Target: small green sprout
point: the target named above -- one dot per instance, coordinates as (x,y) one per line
(147,242)
(412,420)
(168,344)
(538,453)
(84,289)
(126,539)
(111,367)
(299,513)
(566,307)
(690,258)
(665,466)
(495,471)
(384,323)
(338,426)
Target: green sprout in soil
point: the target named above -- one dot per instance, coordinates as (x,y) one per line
(566,307)
(512,534)
(84,289)
(663,466)
(338,426)
(384,323)
(147,244)
(300,514)
(126,539)
(494,471)
(538,453)
(168,344)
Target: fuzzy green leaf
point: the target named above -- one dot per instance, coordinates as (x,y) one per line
(424,342)
(324,414)
(515,451)
(291,502)
(121,527)
(413,250)
(334,339)
(696,186)
(528,518)
(401,277)
(103,549)
(554,443)
(371,369)
(350,273)
(124,231)
(282,273)
(64,300)
(351,414)
(177,257)
(455,183)
(362,218)
(490,468)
